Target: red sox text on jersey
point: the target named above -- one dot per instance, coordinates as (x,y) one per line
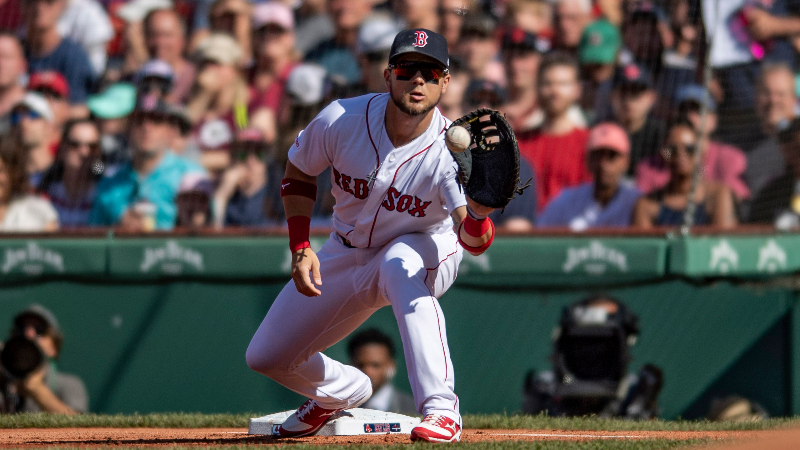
(395,200)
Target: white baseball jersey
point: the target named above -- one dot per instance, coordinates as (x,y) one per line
(414,187)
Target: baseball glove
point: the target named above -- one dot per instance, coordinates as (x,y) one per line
(488,169)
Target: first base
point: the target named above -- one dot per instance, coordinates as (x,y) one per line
(350,422)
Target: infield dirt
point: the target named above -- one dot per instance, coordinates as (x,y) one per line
(157,437)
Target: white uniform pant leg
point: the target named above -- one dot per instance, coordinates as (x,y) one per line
(416,270)
(287,345)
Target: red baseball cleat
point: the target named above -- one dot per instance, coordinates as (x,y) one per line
(436,428)
(307,420)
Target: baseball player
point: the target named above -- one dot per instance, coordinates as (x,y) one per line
(393,244)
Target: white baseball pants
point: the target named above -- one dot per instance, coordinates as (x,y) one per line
(409,273)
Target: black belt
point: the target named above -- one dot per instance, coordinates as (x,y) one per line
(344,241)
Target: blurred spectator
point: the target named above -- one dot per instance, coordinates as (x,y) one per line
(483,94)
(244,197)
(337,55)
(46,389)
(19,210)
(597,52)
(779,201)
(680,61)
(86,23)
(233,17)
(154,79)
(747,33)
(53,87)
(314,25)
(221,102)
(165,40)
(372,352)
(275,56)
(572,16)
(417,13)
(721,162)
(45,49)
(374,42)
(451,17)
(194,201)
(646,34)
(776,106)
(12,69)
(632,101)
(70,182)
(31,127)
(307,92)
(10,14)
(522,54)
(556,149)
(714,201)
(607,201)
(478,48)
(111,108)
(182,142)
(141,195)
(451,103)
(533,16)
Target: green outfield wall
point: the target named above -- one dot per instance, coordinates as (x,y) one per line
(162,324)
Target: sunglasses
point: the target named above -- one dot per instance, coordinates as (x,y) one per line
(605,153)
(689,149)
(50,94)
(242,155)
(154,117)
(431,73)
(93,146)
(17,116)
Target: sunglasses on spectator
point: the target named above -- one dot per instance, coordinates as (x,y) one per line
(431,73)
(74,144)
(159,118)
(149,83)
(17,116)
(39,326)
(689,149)
(242,154)
(605,153)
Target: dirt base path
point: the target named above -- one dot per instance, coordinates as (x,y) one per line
(157,437)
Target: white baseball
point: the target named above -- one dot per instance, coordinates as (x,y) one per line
(457,139)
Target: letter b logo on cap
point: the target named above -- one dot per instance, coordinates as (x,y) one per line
(422,39)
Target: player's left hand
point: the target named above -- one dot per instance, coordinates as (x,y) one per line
(477,208)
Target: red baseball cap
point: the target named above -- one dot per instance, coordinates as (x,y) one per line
(49,79)
(609,135)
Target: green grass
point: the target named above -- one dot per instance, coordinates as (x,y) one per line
(491,421)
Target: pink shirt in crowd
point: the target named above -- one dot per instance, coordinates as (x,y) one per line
(722,163)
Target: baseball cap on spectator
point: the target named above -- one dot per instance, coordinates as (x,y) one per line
(695,93)
(633,75)
(137,10)
(307,84)
(219,48)
(376,36)
(36,312)
(51,81)
(600,43)
(180,118)
(117,101)
(34,101)
(481,92)
(196,182)
(608,136)
(155,68)
(518,39)
(406,41)
(273,13)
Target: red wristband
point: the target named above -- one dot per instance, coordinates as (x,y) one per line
(290,186)
(476,228)
(298,232)
(482,248)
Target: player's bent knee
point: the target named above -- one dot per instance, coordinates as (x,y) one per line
(265,362)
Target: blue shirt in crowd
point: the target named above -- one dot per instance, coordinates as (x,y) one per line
(244,211)
(71,60)
(118,192)
(576,208)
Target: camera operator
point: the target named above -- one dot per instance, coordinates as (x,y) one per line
(31,380)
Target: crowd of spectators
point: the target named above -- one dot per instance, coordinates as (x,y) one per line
(152,114)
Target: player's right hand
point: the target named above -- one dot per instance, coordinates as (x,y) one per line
(303,262)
